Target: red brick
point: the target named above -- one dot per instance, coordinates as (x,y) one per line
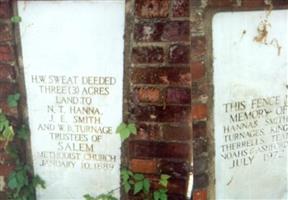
(5,169)
(147,132)
(143,166)
(199,111)
(144,149)
(150,95)
(178,96)
(198,46)
(177,186)
(7,110)
(178,133)
(6,53)
(152,8)
(167,76)
(253,4)
(174,168)
(176,31)
(5,32)
(200,194)
(148,32)
(5,10)
(197,70)
(7,89)
(7,73)
(199,129)
(179,54)
(147,55)
(180,8)
(161,114)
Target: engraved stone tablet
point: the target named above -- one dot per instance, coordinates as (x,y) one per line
(251,104)
(73,67)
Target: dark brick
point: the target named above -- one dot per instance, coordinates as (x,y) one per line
(144,149)
(280,3)
(199,129)
(176,197)
(253,4)
(197,21)
(178,96)
(200,146)
(180,8)
(176,31)
(197,70)
(200,165)
(152,8)
(198,46)
(148,94)
(6,53)
(147,132)
(201,181)
(222,3)
(167,75)
(163,114)
(7,89)
(200,194)
(148,32)
(179,54)
(199,89)
(180,133)
(5,32)
(199,112)
(177,186)
(7,73)
(147,55)
(176,169)
(143,166)
(5,10)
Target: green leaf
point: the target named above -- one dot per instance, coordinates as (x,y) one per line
(124,134)
(16,19)
(121,127)
(88,197)
(164,180)
(8,133)
(132,128)
(146,185)
(138,177)
(138,187)
(38,181)
(12,183)
(13,99)
(23,133)
(127,187)
(156,195)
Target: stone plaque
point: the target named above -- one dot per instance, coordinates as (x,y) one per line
(251,104)
(73,68)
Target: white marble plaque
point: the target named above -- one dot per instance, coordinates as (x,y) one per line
(73,67)
(251,104)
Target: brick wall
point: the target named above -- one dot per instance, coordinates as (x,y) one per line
(158,70)
(168,87)
(8,83)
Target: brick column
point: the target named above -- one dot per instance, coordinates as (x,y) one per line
(159,92)
(8,84)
